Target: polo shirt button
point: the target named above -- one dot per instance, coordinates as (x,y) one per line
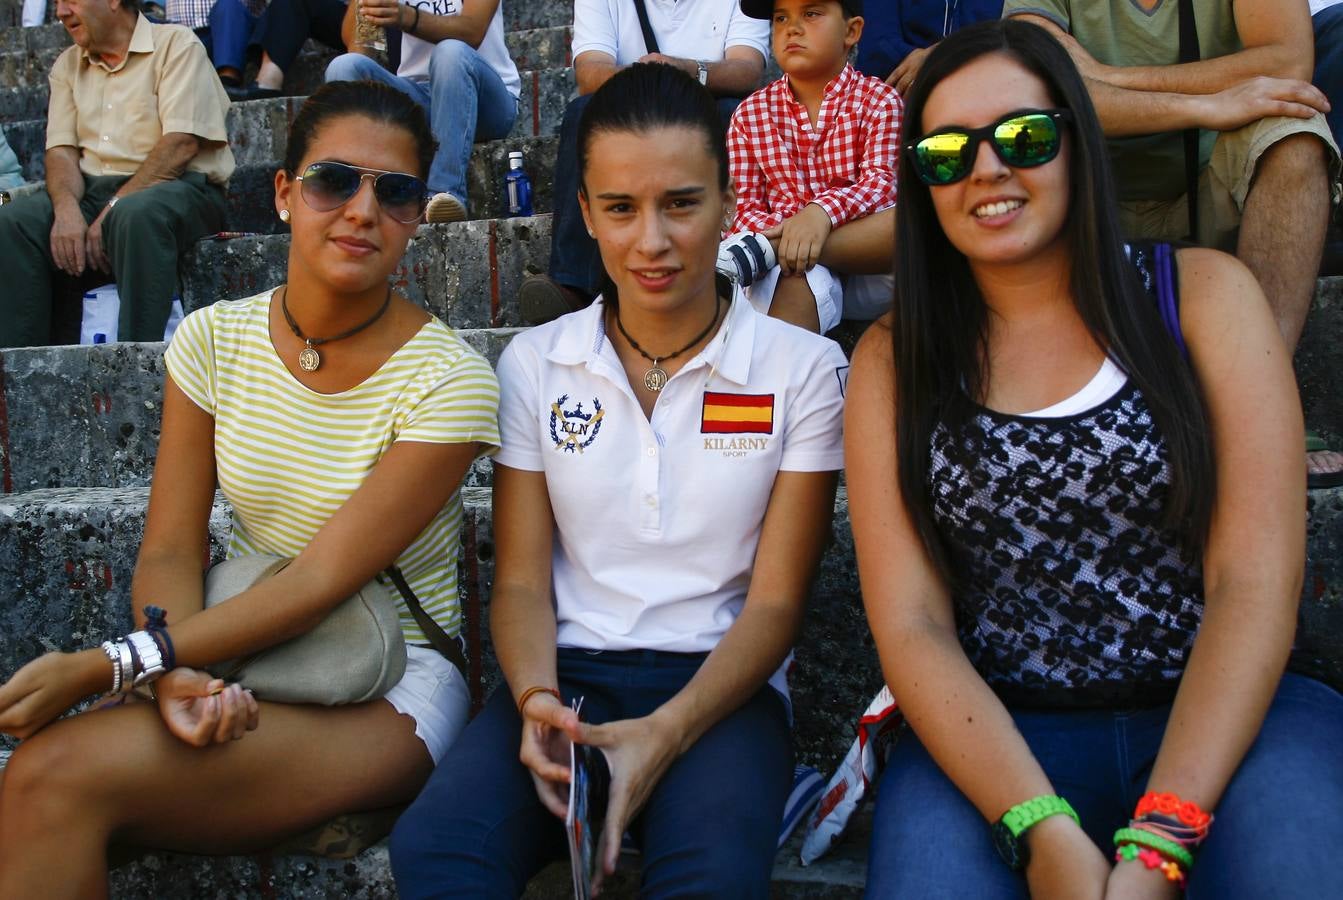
(652,451)
(650,500)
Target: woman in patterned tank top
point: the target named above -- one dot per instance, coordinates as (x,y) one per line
(1078,524)
(347,466)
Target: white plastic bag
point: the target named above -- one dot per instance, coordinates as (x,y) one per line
(849,786)
(102,306)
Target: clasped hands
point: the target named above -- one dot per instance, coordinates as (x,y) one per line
(638,752)
(196,707)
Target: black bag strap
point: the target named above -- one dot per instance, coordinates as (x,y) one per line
(447,645)
(1189,52)
(650,39)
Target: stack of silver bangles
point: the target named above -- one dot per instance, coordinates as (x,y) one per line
(136,660)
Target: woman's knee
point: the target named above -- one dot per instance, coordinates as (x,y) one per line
(51,782)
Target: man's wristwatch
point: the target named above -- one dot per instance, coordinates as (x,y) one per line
(703,74)
(1010,829)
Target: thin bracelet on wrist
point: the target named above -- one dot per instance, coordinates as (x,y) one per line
(532,691)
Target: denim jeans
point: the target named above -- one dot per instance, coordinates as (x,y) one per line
(1278,829)
(574,260)
(465,99)
(708,829)
(1328,24)
(228,33)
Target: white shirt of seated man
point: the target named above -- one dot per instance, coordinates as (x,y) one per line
(690,29)
(415,52)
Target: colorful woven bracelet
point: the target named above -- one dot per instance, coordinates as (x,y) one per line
(1152,860)
(1165,846)
(1187,811)
(1166,827)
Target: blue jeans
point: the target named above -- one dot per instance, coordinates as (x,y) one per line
(1329,64)
(708,830)
(228,33)
(465,99)
(574,260)
(1274,829)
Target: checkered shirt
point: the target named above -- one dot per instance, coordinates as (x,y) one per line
(846,164)
(195,14)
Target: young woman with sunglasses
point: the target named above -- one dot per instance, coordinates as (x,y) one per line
(338,419)
(1079,538)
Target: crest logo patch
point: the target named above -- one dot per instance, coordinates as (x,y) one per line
(574,430)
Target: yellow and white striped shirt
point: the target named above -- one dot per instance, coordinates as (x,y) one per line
(287,457)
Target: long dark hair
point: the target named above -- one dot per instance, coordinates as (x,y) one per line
(642,98)
(940,324)
(380,102)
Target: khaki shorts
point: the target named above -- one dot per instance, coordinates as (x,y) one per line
(1224,184)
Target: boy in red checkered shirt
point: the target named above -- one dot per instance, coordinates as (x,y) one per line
(813,159)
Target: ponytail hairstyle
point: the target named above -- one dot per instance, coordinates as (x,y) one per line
(940,322)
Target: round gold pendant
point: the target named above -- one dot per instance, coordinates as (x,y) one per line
(655,379)
(309,359)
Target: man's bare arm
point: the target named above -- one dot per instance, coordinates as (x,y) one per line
(1128,110)
(65,186)
(167,160)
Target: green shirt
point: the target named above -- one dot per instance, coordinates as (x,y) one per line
(1122,33)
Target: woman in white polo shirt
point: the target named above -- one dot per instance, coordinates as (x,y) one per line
(661,500)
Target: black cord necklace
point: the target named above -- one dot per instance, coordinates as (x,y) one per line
(656,377)
(308,358)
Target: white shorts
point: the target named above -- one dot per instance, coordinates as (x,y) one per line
(846,296)
(434,694)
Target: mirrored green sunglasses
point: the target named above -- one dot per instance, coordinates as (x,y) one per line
(1021,139)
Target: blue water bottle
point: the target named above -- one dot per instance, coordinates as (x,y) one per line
(517,187)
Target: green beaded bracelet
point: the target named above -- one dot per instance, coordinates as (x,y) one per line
(1164,846)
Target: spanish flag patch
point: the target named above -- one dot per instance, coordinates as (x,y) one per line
(737,413)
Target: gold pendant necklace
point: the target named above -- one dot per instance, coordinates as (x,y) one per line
(309,360)
(655,379)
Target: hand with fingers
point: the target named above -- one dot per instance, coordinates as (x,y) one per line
(547,728)
(904,74)
(800,239)
(639,752)
(201,710)
(386,13)
(1134,881)
(47,687)
(1259,98)
(93,245)
(68,244)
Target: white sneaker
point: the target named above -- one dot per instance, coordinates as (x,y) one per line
(444,208)
(745,257)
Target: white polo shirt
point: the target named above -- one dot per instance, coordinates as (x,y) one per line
(657,522)
(690,29)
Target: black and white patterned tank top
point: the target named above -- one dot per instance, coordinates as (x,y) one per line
(1072,593)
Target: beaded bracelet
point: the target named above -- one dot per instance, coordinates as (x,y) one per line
(1152,860)
(537,689)
(1187,811)
(1166,847)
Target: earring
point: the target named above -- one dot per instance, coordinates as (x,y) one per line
(284,216)
(591,233)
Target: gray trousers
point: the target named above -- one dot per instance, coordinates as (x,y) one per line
(145,236)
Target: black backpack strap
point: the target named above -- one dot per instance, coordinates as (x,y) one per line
(650,39)
(1189,52)
(447,645)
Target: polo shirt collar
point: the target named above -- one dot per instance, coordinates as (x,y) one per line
(583,340)
(142,41)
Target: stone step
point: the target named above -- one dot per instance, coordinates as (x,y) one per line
(75,416)
(841,874)
(17,39)
(67,556)
(258,129)
(466,273)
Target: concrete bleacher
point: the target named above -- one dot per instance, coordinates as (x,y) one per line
(79,430)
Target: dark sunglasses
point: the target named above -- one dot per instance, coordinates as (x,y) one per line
(1021,139)
(327,185)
